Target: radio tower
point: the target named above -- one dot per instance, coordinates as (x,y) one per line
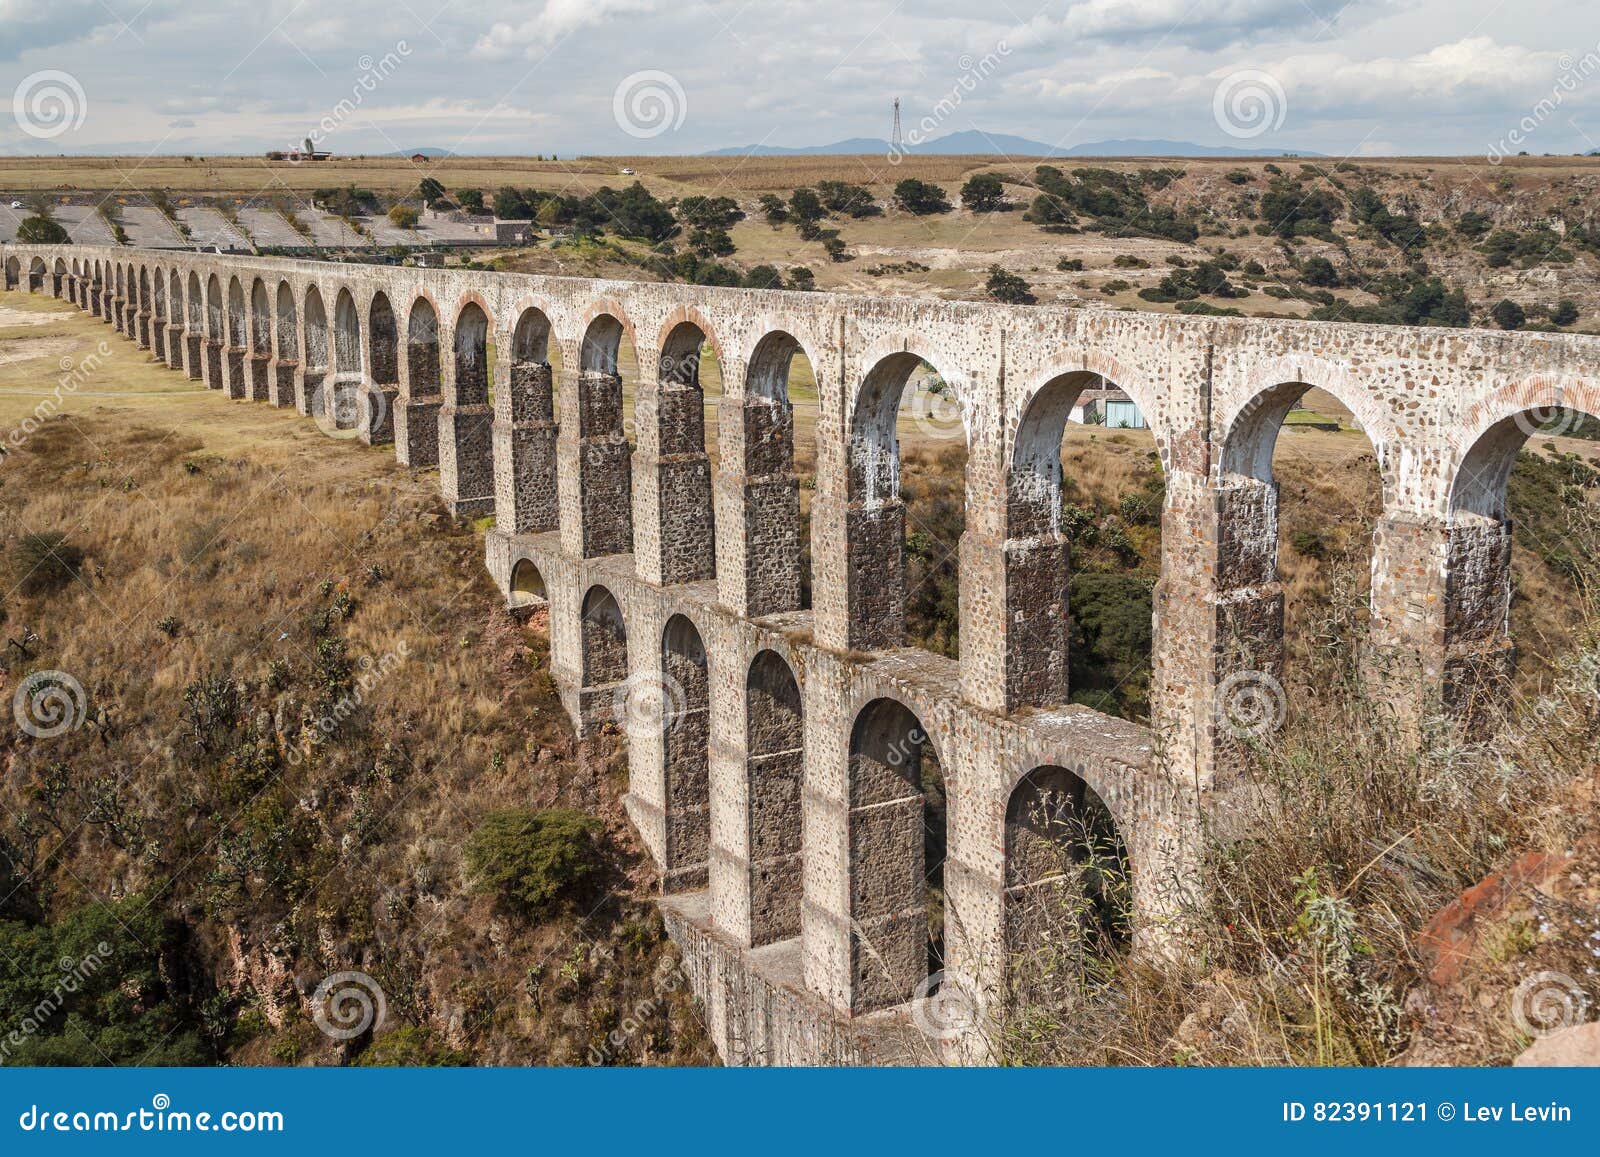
(894,137)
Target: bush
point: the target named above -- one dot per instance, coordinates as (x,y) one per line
(534,859)
(403,217)
(1008,287)
(1565,312)
(1507,314)
(46,562)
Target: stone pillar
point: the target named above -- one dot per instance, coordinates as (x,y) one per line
(594,477)
(308,395)
(141,326)
(525,435)
(757,505)
(1218,627)
(674,527)
(96,298)
(158,338)
(234,373)
(281,374)
(1438,644)
(196,355)
(466,437)
(825,932)
(416,419)
(259,376)
(175,346)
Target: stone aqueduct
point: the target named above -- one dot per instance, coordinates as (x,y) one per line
(777,782)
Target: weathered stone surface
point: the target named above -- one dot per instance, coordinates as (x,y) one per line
(1571,1047)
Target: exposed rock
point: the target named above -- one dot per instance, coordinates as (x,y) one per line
(1578,1045)
(1449,938)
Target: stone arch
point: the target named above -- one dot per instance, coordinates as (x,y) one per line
(13,269)
(530,600)
(260,320)
(344,401)
(466,420)
(472,383)
(144,287)
(422,349)
(686,745)
(288,330)
(875,515)
(158,294)
(215,336)
(36,275)
(316,331)
(238,337)
(774,771)
(1068,886)
(416,414)
(1251,433)
(604,637)
(759,455)
(526,486)
(601,472)
(195,299)
(675,538)
(383,342)
(895,857)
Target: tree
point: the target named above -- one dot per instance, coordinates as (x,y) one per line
(430,190)
(533,859)
(840,197)
(470,199)
(920,197)
(1565,312)
(1319,271)
(1507,314)
(835,248)
(983,193)
(805,206)
(763,277)
(403,216)
(711,242)
(509,205)
(1008,287)
(773,209)
(802,279)
(41,231)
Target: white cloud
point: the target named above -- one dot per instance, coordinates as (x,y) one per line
(553,23)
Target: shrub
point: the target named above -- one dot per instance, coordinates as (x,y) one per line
(1565,312)
(41,231)
(983,193)
(403,217)
(1507,314)
(47,562)
(534,859)
(1008,287)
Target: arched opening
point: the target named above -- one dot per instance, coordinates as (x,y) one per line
(529,600)
(526,499)
(1520,553)
(36,275)
(1084,497)
(157,328)
(777,544)
(605,640)
(238,341)
(681,542)
(417,418)
(287,347)
(1304,492)
(774,767)
(1068,885)
(383,343)
(466,422)
(13,269)
(896,857)
(260,339)
(214,333)
(344,395)
(905,527)
(58,278)
(686,744)
(313,381)
(604,458)
(142,324)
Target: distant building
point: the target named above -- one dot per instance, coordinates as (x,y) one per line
(418,159)
(1109,407)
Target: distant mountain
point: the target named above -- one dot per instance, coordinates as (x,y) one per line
(974,143)
(430,151)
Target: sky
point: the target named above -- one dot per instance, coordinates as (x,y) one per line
(610,77)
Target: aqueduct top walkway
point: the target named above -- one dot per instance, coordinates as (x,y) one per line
(776,750)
